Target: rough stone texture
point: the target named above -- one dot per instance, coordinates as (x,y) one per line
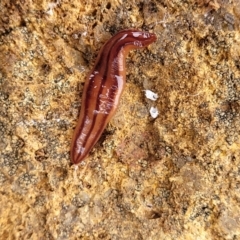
(174,177)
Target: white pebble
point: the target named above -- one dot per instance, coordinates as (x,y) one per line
(154,112)
(151,95)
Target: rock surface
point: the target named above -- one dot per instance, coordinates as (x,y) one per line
(173,177)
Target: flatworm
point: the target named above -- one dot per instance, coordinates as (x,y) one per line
(103,89)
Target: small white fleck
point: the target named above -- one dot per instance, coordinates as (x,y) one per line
(51,6)
(154,112)
(151,95)
(50,11)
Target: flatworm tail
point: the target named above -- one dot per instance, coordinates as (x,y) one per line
(103,89)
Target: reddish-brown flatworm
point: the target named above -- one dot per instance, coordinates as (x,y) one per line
(103,89)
